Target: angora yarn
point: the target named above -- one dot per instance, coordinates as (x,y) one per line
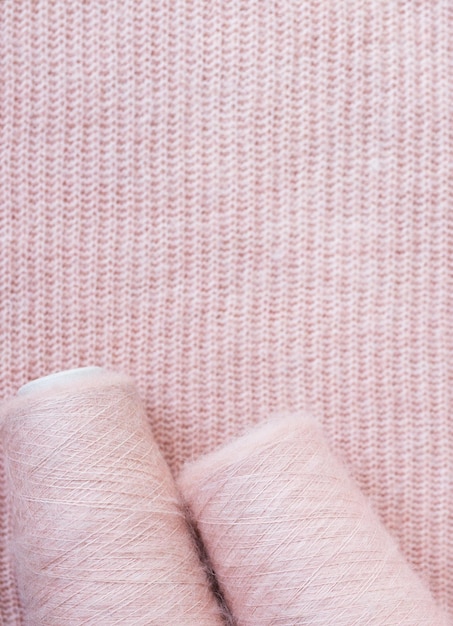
(293,540)
(97,531)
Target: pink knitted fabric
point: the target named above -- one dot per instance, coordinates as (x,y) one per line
(247,206)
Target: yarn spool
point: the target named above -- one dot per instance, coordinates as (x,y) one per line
(97,534)
(293,540)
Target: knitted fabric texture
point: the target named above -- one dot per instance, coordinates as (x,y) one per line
(247,206)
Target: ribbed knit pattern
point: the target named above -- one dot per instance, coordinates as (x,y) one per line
(246,205)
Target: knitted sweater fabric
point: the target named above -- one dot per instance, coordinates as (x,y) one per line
(247,206)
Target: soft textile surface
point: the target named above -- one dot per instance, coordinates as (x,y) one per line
(246,206)
(98,530)
(292,539)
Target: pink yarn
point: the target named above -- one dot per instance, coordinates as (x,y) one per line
(293,540)
(97,531)
(247,206)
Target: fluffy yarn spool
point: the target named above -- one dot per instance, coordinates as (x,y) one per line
(98,533)
(293,540)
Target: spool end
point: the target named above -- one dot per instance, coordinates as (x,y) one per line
(58,379)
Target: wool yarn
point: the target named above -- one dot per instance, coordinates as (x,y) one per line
(293,540)
(247,205)
(97,530)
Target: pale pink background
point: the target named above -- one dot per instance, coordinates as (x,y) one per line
(247,205)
